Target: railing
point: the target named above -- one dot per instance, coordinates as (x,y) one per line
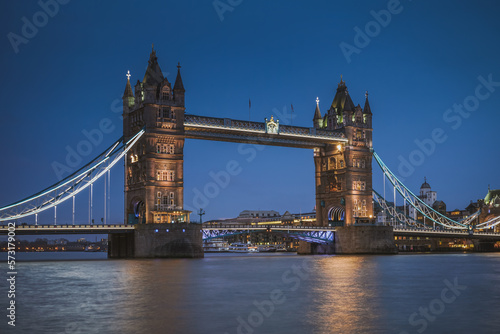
(165,207)
(231,124)
(275,227)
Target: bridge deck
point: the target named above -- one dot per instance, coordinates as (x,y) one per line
(122,228)
(225,129)
(67,229)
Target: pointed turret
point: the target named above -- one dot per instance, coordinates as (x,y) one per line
(317,120)
(178,86)
(128,88)
(153,75)
(128,95)
(342,100)
(367,109)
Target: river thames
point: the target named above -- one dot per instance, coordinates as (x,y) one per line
(256,293)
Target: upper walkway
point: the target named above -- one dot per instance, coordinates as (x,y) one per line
(263,133)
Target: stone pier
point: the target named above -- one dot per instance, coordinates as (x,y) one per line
(355,239)
(158,241)
(361,239)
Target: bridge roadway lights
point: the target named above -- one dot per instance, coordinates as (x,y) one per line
(356,239)
(159,241)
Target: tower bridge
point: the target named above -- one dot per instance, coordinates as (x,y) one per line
(155,126)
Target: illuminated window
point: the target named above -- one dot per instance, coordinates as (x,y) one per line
(363,209)
(161,175)
(165,175)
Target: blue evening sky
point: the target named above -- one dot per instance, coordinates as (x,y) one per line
(70,74)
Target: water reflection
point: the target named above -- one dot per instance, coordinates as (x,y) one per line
(345,296)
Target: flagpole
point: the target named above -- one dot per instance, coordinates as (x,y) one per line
(291,115)
(249,106)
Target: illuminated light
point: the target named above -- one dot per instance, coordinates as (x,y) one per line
(339,147)
(167,229)
(183,230)
(156,231)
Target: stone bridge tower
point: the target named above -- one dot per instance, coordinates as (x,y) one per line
(344,173)
(154,166)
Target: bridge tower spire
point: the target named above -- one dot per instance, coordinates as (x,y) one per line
(317,120)
(154,181)
(344,173)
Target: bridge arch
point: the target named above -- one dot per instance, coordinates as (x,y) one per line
(137,210)
(336,214)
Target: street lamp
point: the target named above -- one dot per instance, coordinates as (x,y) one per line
(201,212)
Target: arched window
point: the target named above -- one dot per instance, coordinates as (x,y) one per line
(332,163)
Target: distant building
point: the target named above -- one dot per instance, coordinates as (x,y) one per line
(490,206)
(268,216)
(429,197)
(258,214)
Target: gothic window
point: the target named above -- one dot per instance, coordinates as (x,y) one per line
(158,194)
(170,175)
(161,175)
(363,209)
(363,163)
(332,163)
(164,200)
(171,148)
(354,162)
(359,134)
(165,96)
(355,210)
(341,163)
(363,185)
(172,199)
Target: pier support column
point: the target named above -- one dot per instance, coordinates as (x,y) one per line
(368,239)
(168,240)
(120,245)
(312,248)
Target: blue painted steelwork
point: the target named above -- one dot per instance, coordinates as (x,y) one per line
(416,202)
(71,185)
(317,235)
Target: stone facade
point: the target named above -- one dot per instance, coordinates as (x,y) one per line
(154,166)
(344,172)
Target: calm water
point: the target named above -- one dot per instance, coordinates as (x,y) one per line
(226,293)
